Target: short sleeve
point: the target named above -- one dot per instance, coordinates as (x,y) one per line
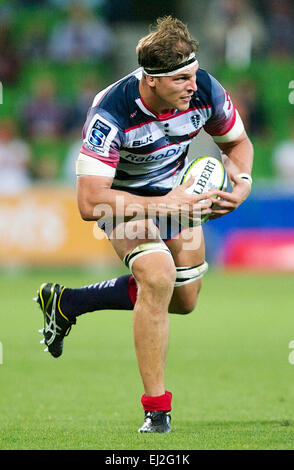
(225,123)
(102,137)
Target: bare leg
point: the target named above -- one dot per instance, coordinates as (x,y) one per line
(155,275)
(184,298)
(151,321)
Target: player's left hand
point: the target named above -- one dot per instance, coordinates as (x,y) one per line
(228,202)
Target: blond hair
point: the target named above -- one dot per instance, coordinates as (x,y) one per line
(166,46)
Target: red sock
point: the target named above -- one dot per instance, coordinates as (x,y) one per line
(160,403)
(132,289)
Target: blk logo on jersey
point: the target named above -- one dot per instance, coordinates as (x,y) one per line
(145,141)
(98,134)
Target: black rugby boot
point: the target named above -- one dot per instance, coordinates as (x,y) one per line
(156,421)
(56,324)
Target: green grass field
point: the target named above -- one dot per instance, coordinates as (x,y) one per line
(228,369)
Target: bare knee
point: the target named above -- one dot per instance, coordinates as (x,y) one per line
(184,308)
(155,278)
(185,303)
(158,281)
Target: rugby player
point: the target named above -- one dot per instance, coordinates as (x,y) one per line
(135,144)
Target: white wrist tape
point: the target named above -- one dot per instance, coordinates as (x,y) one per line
(246,177)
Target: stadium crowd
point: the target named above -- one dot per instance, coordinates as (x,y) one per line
(46,99)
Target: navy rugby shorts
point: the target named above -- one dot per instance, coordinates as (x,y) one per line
(169,228)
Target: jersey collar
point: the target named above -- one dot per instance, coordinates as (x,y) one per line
(144,107)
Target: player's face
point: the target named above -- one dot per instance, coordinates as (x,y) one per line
(176,91)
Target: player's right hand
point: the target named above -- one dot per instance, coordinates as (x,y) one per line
(179,202)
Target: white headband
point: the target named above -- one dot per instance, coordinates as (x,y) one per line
(190,62)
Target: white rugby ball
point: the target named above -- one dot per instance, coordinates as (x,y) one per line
(209,173)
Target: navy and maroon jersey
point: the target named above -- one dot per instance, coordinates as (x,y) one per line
(144,151)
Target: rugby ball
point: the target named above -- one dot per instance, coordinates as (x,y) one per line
(209,173)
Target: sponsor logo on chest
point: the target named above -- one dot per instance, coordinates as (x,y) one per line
(162,154)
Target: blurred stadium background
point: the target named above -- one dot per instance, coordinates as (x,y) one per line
(56,55)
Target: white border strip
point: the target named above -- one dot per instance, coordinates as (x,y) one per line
(233,134)
(90,166)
